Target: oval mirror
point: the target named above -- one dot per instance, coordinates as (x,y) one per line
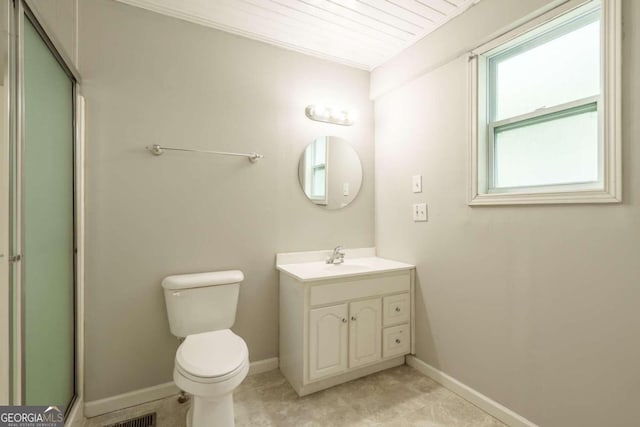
(330,172)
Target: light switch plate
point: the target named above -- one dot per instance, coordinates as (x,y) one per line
(417,184)
(345,189)
(420,212)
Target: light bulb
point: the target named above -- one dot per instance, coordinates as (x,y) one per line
(337,114)
(325,113)
(351,115)
(317,110)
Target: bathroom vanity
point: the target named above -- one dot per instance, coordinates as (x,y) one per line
(342,321)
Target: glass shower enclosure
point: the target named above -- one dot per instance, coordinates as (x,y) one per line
(38,214)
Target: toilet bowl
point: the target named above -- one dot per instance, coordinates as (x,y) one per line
(210,366)
(211,361)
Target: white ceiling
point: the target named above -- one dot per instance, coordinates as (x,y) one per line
(360,33)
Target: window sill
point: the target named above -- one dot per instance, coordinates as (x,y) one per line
(584,197)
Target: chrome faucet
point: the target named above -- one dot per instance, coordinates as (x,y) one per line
(337,257)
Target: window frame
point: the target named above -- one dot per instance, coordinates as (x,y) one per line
(608,189)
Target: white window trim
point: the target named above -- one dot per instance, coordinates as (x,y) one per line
(610,107)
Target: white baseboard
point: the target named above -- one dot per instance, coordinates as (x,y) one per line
(76,416)
(488,405)
(149,394)
(132,398)
(264,365)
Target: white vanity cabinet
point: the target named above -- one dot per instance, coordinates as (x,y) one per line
(338,328)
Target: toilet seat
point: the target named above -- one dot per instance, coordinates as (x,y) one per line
(212,357)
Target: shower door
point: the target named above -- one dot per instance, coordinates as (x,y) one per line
(42,216)
(48,226)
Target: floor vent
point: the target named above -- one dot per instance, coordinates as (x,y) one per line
(147,420)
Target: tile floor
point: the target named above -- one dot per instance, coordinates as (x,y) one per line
(396,397)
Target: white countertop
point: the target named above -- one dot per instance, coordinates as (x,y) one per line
(308,268)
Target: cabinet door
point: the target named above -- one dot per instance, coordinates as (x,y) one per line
(327,341)
(365,331)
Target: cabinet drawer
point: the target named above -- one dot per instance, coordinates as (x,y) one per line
(345,290)
(396,341)
(396,309)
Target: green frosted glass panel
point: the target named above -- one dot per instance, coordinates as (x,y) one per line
(48,226)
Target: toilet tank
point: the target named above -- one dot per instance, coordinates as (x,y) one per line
(202,302)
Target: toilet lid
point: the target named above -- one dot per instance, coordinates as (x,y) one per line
(212,354)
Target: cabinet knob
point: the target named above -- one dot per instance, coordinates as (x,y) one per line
(397,309)
(344,320)
(353,318)
(397,340)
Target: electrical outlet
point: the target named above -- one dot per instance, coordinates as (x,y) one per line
(417,184)
(420,212)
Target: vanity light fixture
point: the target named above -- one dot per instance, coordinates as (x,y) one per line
(338,116)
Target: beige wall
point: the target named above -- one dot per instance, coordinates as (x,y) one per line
(152,79)
(536,307)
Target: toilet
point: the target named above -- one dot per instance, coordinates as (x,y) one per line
(211,361)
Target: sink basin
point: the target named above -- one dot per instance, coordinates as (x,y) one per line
(305,270)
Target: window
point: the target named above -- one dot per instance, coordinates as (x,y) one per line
(545,101)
